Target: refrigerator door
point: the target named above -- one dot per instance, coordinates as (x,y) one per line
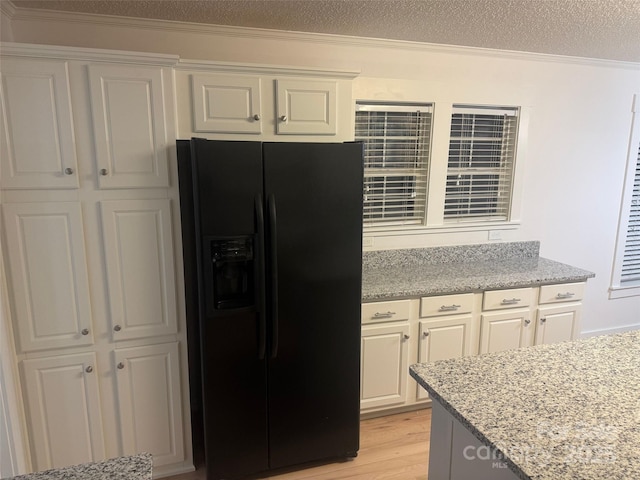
(314,196)
(227,178)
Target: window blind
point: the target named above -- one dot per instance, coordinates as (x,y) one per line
(481,162)
(631,257)
(396,158)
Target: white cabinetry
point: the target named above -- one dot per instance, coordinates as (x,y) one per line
(385,354)
(37,144)
(448,332)
(48,268)
(92,279)
(558,316)
(149,401)
(510,326)
(130,125)
(262,103)
(139,259)
(64,408)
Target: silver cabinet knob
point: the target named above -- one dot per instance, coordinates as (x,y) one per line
(89,369)
(256,117)
(425,334)
(283,118)
(120,365)
(117,328)
(104,172)
(527,321)
(85,331)
(543,320)
(407,337)
(68,171)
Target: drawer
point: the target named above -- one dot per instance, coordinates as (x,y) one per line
(511,298)
(446,305)
(563,292)
(393,311)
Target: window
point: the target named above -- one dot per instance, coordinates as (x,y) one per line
(396,161)
(480,164)
(626,271)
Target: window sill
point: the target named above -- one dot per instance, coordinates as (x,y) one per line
(623,292)
(448,228)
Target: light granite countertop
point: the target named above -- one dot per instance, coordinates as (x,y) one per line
(134,467)
(415,273)
(566,411)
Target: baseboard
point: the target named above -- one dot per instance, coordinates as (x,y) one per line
(391,411)
(609,331)
(173,469)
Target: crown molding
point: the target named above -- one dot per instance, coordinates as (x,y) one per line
(7,8)
(231,67)
(29,14)
(92,54)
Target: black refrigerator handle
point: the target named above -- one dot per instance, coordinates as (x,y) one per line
(273,252)
(260,279)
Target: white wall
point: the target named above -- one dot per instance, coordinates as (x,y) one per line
(579,121)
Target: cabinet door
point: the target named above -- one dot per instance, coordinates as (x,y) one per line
(37,147)
(306,107)
(130,126)
(558,323)
(48,269)
(506,330)
(149,401)
(140,269)
(441,339)
(226,104)
(385,354)
(63,406)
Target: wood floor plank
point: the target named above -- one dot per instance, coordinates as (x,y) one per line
(394,447)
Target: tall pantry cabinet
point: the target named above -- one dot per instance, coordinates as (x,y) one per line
(88,192)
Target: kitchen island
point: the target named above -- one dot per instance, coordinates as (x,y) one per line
(562,411)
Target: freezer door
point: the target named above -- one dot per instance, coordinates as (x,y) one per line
(314,197)
(227,179)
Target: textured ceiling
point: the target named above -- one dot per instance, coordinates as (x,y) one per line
(607,29)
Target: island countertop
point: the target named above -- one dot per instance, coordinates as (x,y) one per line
(561,411)
(418,272)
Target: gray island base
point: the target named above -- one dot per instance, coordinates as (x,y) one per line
(562,411)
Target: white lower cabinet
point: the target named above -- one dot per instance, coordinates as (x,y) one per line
(506,330)
(149,401)
(385,363)
(558,323)
(64,414)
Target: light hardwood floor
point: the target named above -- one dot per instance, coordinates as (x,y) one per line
(395,447)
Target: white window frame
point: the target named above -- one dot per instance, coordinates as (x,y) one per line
(618,289)
(435,222)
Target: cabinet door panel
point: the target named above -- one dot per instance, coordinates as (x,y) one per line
(37,148)
(558,323)
(226,104)
(306,107)
(49,274)
(130,128)
(506,331)
(64,410)
(384,365)
(140,270)
(149,401)
(444,339)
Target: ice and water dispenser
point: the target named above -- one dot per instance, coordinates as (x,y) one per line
(232,272)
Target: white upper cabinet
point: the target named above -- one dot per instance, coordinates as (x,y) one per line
(37,146)
(48,271)
(306,107)
(130,125)
(140,270)
(226,103)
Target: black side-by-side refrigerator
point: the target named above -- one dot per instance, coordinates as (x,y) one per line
(272,236)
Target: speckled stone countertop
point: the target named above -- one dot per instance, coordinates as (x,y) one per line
(134,467)
(460,269)
(566,411)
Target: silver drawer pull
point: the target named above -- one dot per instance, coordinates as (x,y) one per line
(383,314)
(510,301)
(449,308)
(565,295)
